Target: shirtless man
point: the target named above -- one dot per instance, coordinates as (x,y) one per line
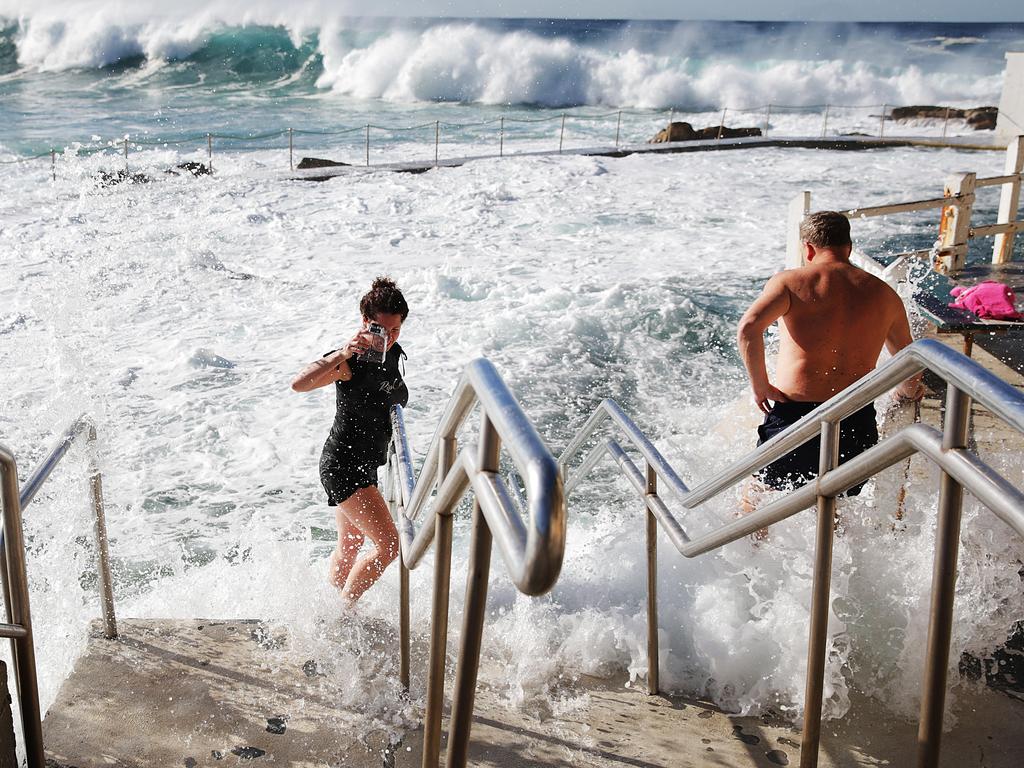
(835,318)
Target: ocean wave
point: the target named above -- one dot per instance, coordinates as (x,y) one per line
(651,65)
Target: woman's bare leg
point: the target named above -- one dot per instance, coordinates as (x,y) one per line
(366,510)
(350,539)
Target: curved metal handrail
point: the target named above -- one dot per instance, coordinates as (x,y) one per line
(532,549)
(15,581)
(961,468)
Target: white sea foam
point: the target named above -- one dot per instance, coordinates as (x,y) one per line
(580,278)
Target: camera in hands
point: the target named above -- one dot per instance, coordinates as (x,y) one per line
(378,345)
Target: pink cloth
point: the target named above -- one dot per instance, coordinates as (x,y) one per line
(987,299)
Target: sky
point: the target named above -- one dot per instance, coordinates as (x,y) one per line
(759,10)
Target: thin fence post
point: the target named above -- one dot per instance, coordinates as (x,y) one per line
(945,123)
(209,151)
(767,118)
(561,134)
(824,125)
(291,149)
(668,128)
(1009,200)
(881,122)
(721,125)
(367,145)
(501,137)
(126,154)
(618,126)
(798,208)
(437,139)
(53,163)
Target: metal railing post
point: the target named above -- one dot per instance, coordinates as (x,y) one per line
(464,693)
(53,163)
(22,648)
(367,145)
(653,655)
(393,479)
(102,545)
(1009,201)
(940,624)
(209,151)
(501,136)
(881,122)
(291,149)
(824,125)
(561,134)
(439,618)
(817,644)
(767,118)
(945,123)
(721,125)
(126,154)
(437,139)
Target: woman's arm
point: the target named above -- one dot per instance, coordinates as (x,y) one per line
(326,370)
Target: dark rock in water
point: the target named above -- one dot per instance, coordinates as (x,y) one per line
(317,162)
(686,132)
(196,169)
(275,725)
(248,753)
(109,178)
(980,118)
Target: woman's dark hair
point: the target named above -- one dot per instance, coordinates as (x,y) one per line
(384,297)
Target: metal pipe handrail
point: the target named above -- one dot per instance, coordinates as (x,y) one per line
(960,469)
(1001,398)
(15,581)
(532,549)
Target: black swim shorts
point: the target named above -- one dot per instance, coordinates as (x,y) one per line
(342,473)
(857,433)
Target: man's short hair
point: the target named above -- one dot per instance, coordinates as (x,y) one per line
(825,229)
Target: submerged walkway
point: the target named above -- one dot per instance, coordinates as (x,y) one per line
(215,693)
(841,143)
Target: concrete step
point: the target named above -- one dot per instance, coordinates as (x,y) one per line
(219,693)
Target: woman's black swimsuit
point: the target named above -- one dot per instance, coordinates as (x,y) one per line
(857,433)
(359,438)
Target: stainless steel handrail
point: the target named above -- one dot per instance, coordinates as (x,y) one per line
(532,549)
(960,468)
(15,580)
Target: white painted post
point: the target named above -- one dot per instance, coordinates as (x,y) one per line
(1009,200)
(955,227)
(798,208)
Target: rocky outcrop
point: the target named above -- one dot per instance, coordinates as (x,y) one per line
(980,118)
(686,132)
(317,162)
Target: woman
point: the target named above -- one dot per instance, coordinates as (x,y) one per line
(359,439)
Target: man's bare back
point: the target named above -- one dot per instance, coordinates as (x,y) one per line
(837,319)
(834,320)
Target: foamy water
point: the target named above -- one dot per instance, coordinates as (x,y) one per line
(177,312)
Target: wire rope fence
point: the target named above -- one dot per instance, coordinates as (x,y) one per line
(497,136)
